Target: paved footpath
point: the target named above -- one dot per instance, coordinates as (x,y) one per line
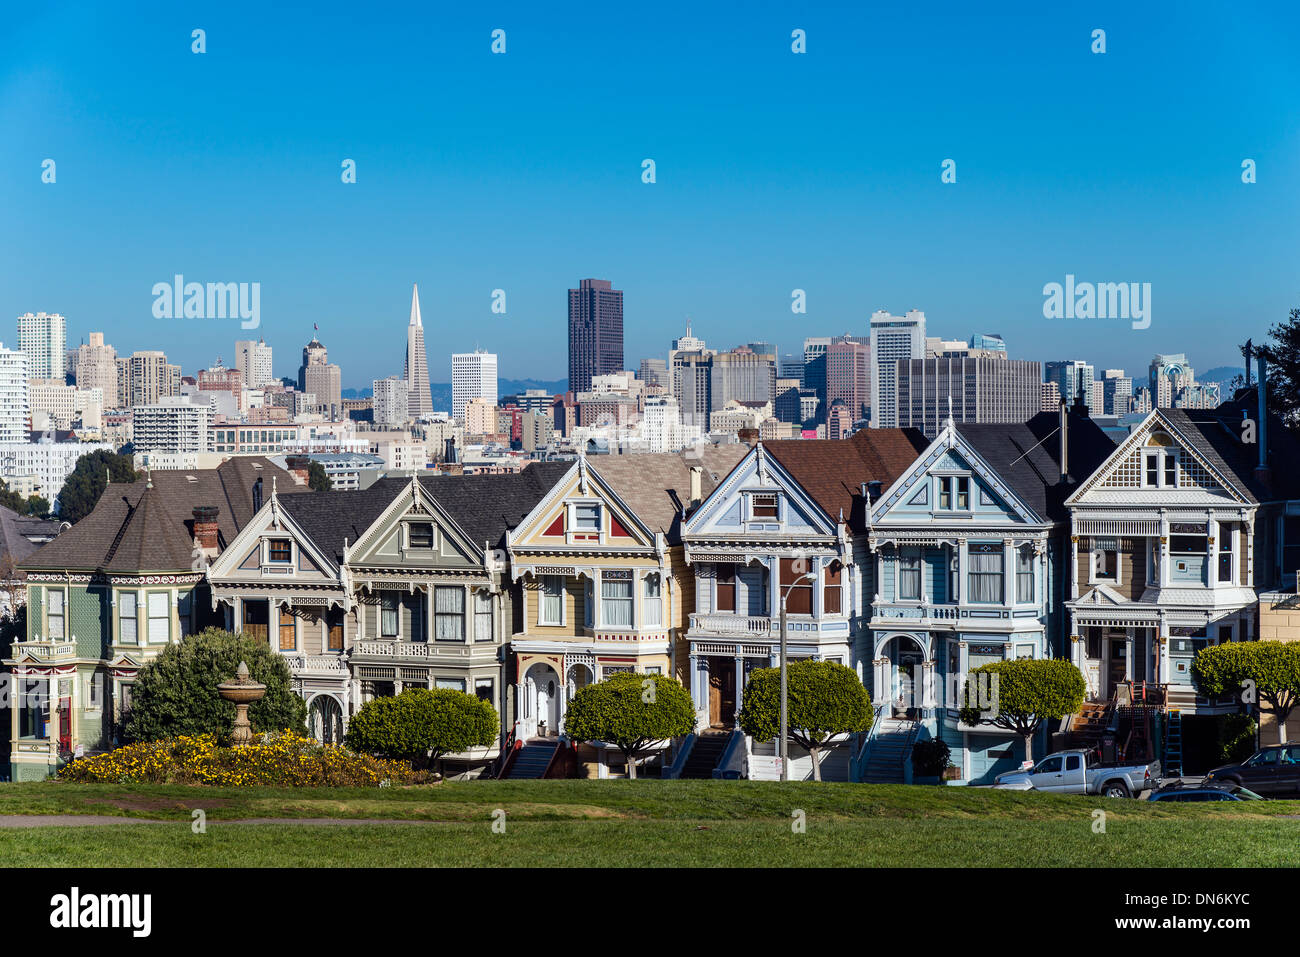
(93,820)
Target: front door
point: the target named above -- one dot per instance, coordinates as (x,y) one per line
(722,692)
(1118,662)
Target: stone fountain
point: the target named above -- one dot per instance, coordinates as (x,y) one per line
(243,691)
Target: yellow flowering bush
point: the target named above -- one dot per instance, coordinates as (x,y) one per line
(284,759)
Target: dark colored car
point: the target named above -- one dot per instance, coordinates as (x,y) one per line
(1205,792)
(1272,772)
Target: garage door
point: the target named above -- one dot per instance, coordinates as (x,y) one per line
(991,755)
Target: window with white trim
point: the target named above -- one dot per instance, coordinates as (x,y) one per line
(653,602)
(159,617)
(616,599)
(551,604)
(128,620)
(55,614)
(482,616)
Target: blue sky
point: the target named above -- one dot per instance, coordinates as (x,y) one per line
(775,171)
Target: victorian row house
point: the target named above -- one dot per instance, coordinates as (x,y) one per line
(911,561)
(108,594)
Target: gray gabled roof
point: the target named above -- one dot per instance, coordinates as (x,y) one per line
(1027,455)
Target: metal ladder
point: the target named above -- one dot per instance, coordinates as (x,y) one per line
(1173,764)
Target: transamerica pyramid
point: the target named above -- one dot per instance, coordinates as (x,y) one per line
(419,398)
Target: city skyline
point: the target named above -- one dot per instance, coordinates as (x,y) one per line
(777,188)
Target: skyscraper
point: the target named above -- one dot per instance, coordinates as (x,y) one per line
(848,376)
(595,332)
(43,338)
(975,389)
(473,376)
(145,377)
(1071,375)
(253,360)
(390,397)
(892,338)
(97,368)
(419,403)
(15,398)
(321,378)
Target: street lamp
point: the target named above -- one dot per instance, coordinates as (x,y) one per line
(785,708)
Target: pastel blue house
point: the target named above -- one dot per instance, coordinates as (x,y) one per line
(968,546)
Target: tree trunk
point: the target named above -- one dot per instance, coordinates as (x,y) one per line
(1029,745)
(1281,725)
(631,764)
(816,753)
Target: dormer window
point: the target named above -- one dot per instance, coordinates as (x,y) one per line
(420,535)
(586,518)
(954,493)
(764,505)
(279,551)
(1160,462)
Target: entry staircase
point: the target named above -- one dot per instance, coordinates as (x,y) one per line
(890,747)
(531,760)
(705,754)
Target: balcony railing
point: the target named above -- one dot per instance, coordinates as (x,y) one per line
(732,624)
(923,612)
(332,664)
(45,650)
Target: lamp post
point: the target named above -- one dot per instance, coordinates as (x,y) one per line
(785,708)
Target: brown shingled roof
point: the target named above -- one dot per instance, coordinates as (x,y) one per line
(136,528)
(656,485)
(833,471)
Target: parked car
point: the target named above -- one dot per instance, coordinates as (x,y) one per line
(1077,772)
(1273,772)
(1204,792)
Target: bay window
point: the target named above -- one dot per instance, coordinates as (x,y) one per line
(483,616)
(1025,575)
(799,601)
(551,608)
(128,621)
(616,599)
(653,602)
(159,617)
(986,571)
(449,613)
(54,616)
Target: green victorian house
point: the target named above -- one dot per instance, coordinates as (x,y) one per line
(109,593)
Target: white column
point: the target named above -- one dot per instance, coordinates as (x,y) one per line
(1128,655)
(1212,530)
(1008,573)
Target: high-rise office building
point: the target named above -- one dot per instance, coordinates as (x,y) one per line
(1117,392)
(253,360)
(390,398)
(97,367)
(15,396)
(473,376)
(742,376)
(986,341)
(321,378)
(893,338)
(1071,376)
(419,403)
(692,374)
(173,424)
(595,332)
(1051,396)
(848,376)
(1168,378)
(655,372)
(43,338)
(974,389)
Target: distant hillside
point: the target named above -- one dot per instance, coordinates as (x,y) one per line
(1220,374)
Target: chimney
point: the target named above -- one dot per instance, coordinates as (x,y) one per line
(205,528)
(299,465)
(697,485)
(747,436)
(873,490)
(1263,473)
(1064,429)
(452,468)
(449,450)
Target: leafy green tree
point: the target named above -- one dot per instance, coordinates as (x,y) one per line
(1263,672)
(1026,693)
(630,711)
(85,485)
(177,692)
(317,480)
(1283,356)
(32,505)
(825,698)
(421,725)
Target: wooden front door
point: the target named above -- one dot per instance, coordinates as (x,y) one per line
(722,692)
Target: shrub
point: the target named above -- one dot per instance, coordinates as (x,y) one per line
(277,760)
(930,757)
(176,694)
(825,699)
(630,711)
(421,724)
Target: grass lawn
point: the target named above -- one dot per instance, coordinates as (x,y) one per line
(650,823)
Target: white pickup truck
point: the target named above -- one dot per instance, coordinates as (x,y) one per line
(1072,772)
